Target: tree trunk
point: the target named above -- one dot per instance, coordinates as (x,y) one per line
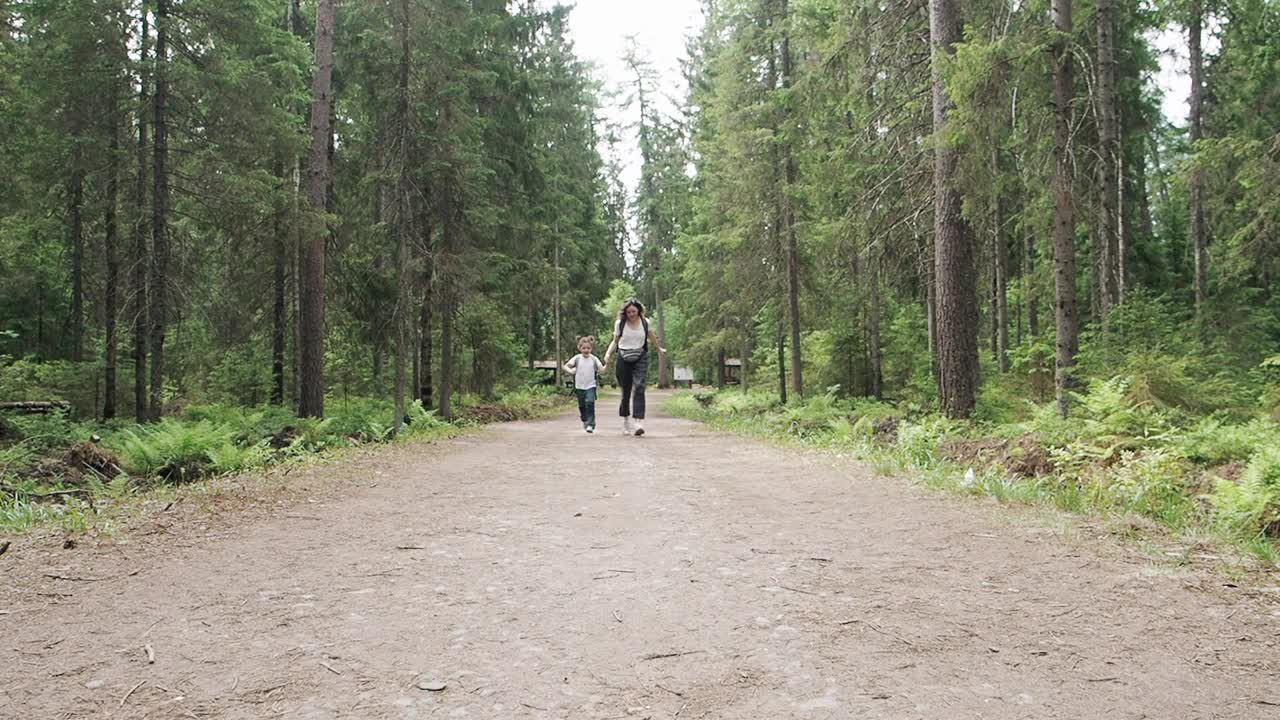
(450,227)
(403,226)
(1001,306)
(530,344)
(555,305)
(1109,139)
(931,308)
(993,315)
(377,348)
(721,380)
(1199,231)
(311,272)
(425,389)
(875,354)
(1146,225)
(111,243)
(141,322)
(1064,258)
(75,228)
(446,350)
(281,245)
(288,290)
(279,252)
(1095,267)
(957,294)
(789,215)
(1028,282)
(415,352)
(782,364)
(1125,219)
(664,372)
(160,213)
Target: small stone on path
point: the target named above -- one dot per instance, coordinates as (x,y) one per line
(431,685)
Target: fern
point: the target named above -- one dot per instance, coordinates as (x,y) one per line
(1215,441)
(1253,506)
(1151,482)
(172,449)
(229,458)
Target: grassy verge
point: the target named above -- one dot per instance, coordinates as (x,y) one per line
(64,475)
(1211,484)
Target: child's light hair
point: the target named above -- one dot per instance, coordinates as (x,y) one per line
(586,339)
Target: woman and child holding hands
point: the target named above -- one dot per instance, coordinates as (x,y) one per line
(631,336)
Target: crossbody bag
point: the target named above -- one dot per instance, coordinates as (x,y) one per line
(634,354)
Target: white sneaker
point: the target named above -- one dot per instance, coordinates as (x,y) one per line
(626,425)
(639,428)
(591,429)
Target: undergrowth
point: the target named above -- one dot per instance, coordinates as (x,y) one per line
(56,472)
(1124,452)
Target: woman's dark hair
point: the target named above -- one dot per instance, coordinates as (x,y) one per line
(622,314)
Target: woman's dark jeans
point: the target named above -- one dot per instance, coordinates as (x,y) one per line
(631,376)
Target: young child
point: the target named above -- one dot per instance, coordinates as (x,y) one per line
(584,366)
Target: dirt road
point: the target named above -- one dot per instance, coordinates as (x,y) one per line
(539,572)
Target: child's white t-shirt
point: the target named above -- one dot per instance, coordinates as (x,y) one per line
(584,370)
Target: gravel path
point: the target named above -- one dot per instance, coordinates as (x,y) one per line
(540,572)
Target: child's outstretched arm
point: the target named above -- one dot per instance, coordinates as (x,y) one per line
(572,364)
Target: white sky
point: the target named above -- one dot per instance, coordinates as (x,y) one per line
(599,29)
(1174,78)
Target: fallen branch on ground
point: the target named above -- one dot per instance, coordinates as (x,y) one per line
(886,633)
(663,656)
(71,578)
(131,691)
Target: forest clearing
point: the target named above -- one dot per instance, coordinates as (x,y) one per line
(926,358)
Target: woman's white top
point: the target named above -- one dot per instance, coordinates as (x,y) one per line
(630,338)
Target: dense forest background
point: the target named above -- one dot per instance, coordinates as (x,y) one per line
(160,233)
(891,214)
(974,212)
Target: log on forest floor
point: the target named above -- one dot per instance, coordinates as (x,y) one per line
(34,407)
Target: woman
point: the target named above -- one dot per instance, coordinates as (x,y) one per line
(631,336)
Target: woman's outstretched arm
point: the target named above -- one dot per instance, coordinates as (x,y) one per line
(654,339)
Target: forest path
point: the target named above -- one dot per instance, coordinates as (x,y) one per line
(540,572)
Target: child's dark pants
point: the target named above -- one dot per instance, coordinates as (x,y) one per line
(587,406)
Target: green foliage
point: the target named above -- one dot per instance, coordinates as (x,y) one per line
(811,415)
(229,457)
(918,442)
(1270,397)
(22,513)
(1252,506)
(241,376)
(172,450)
(1120,408)
(1214,440)
(28,379)
(1104,460)
(1003,401)
(1151,482)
